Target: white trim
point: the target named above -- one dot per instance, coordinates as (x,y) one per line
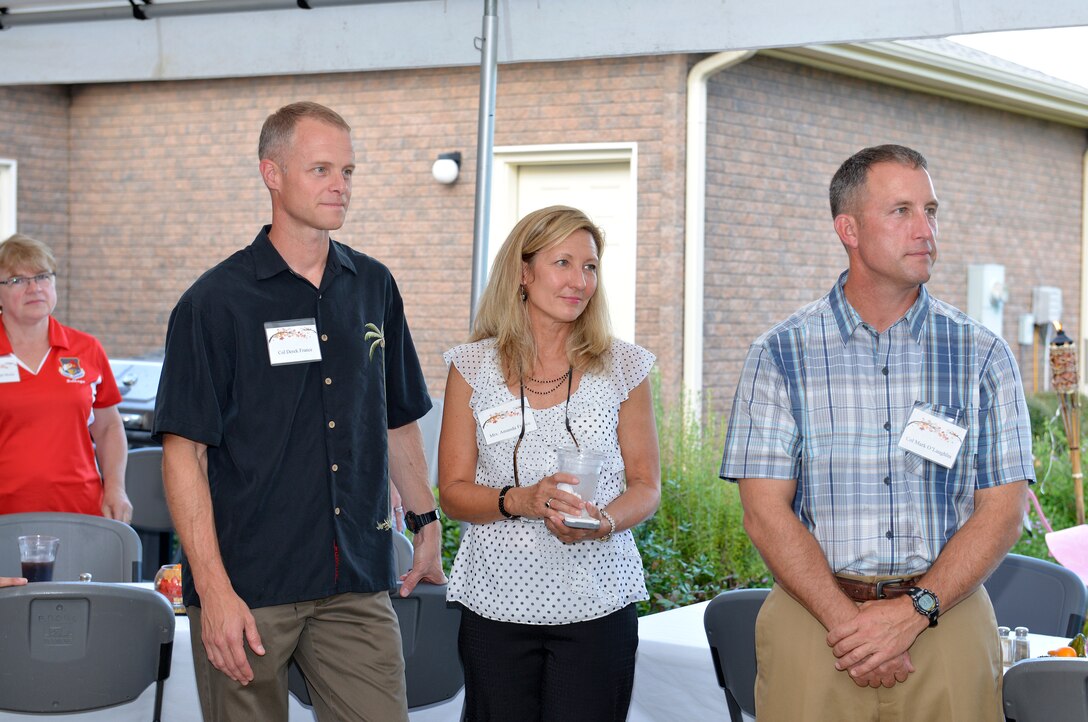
(695,217)
(1082,349)
(508,159)
(9,197)
(915,68)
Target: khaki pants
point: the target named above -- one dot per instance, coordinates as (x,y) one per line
(347,645)
(957,663)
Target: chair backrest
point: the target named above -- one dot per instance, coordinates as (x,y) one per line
(1044,597)
(428,635)
(110,550)
(71,646)
(730,623)
(1046,690)
(143,483)
(431,427)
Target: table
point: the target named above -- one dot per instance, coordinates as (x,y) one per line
(674,674)
(180,703)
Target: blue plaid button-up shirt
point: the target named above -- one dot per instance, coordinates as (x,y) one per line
(824,398)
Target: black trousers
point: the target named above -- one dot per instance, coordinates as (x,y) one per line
(581,672)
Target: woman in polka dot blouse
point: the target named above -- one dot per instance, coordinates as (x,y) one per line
(548,628)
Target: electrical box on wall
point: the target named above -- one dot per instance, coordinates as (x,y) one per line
(986,295)
(1046,304)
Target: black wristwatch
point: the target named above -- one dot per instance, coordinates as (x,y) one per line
(415,522)
(925,603)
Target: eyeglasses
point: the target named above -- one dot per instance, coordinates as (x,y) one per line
(42,279)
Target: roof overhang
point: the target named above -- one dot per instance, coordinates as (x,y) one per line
(920,69)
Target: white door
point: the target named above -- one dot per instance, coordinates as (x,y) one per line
(602,190)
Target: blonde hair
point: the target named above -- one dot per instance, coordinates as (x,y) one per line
(279,128)
(26,252)
(503,315)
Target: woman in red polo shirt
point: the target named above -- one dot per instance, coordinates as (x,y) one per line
(58,399)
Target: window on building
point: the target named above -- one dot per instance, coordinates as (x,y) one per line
(7,198)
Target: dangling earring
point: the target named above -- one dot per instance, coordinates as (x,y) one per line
(523,294)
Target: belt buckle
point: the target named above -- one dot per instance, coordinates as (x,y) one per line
(880,586)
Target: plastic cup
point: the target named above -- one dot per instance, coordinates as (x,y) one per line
(586,465)
(38,554)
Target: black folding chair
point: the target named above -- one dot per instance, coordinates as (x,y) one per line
(730,623)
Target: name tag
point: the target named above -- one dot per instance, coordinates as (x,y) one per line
(292,342)
(504,421)
(932,437)
(9,369)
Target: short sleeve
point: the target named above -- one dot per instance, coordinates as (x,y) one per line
(407,399)
(106,393)
(631,365)
(187,404)
(762,440)
(474,361)
(1004,437)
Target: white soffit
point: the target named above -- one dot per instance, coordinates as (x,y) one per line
(921,69)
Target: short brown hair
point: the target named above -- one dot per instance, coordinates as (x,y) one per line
(21,251)
(852,174)
(279,128)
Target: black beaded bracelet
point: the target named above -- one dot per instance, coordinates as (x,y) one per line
(502,502)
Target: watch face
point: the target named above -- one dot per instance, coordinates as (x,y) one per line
(926,602)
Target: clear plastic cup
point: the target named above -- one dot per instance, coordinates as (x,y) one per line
(586,465)
(38,554)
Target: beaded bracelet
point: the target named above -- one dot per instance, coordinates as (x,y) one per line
(502,502)
(612,522)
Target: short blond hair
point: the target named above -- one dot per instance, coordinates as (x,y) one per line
(279,128)
(502,314)
(21,251)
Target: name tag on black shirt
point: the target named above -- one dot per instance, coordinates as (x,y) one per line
(292,342)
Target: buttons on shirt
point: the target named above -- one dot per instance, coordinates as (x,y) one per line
(328,382)
(884,370)
(337,512)
(887,425)
(324,337)
(336,467)
(888,534)
(332,424)
(887,480)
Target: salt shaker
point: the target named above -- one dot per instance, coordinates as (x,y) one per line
(1005,641)
(1021,647)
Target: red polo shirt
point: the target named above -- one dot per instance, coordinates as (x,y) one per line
(47,458)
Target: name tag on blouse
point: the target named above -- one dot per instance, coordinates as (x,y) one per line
(9,369)
(292,342)
(932,437)
(503,422)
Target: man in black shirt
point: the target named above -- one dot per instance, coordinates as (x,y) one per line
(289,395)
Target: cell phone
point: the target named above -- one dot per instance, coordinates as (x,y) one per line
(581,522)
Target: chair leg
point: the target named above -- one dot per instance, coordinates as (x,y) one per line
(158,700)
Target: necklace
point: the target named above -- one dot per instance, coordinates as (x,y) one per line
(551,381)
(556,383)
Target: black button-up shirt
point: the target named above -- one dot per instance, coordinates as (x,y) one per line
(297,454)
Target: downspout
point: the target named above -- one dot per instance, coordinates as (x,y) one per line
(695,217)
(1082,351)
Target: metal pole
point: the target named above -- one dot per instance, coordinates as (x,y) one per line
(485,145)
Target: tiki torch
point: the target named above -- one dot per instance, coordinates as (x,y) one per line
(1063,377)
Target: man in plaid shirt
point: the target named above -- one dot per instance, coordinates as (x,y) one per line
(881,443)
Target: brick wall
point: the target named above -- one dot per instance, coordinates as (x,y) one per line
(34,133)
(1010,189)
(164,184)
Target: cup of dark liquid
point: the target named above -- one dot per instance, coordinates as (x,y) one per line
(38,553)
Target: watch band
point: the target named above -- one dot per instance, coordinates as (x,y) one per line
(926,603)
(415,522)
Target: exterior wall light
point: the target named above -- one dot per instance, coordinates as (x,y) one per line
(448,166)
